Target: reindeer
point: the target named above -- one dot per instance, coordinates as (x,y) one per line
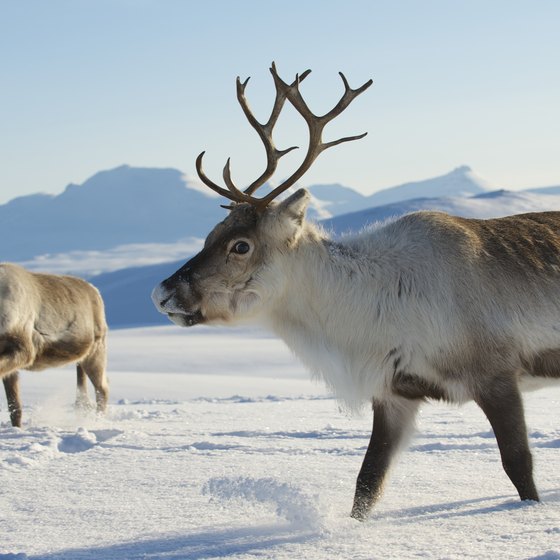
(426,307)
(48,320)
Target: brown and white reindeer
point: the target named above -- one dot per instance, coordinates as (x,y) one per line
(429,306)
(48,320)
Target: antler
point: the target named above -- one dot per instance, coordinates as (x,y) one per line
(315,123)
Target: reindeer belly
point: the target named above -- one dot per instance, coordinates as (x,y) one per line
(353,379)
(53,353)
(540,370)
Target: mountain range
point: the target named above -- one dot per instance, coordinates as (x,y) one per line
(130,205)
(127,228)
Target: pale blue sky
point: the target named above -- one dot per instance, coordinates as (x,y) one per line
(89,85)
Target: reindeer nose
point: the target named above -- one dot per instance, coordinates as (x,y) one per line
(161,296)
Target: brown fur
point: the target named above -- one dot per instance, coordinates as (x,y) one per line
(47,321)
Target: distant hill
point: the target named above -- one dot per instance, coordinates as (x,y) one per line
(486,205)
(545,190)
(132,205)
(127,292)
(334,199)
(123,205)
(462,181)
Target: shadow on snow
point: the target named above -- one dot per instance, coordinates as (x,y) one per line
(207,543)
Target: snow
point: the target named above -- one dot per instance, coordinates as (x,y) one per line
(217,445)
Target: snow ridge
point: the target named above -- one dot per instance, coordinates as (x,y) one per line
(290,502)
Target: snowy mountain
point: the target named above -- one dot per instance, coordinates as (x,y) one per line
(545,190)
(335,199)
(121,206)
(127,292)
(486,205)
(131,205)
(462,181)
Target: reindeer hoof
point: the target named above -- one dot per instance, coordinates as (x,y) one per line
(83,405)
(360,510)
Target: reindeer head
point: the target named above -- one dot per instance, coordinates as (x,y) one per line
(236,275)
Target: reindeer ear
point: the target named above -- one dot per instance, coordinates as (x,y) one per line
(284,220)
(295,205)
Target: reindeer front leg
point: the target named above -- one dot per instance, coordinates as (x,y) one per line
(392,421)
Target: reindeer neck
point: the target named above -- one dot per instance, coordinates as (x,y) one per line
(323,295)
(327,322)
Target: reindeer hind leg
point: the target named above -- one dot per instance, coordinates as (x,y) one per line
(82,399)
(94,366)
(501,402)
(16,352)
(11,386)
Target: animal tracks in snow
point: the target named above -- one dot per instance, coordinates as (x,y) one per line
(288,501)
(33,447)
(83,440)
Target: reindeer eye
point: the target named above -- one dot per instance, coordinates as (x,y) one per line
(241,247)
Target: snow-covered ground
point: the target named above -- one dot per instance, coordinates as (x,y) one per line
(217,445)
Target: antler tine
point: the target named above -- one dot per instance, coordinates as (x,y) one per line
(319,122)
(316,124)
(264,131)
(211,184)
(237,195)
(349,96)
(276,109)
